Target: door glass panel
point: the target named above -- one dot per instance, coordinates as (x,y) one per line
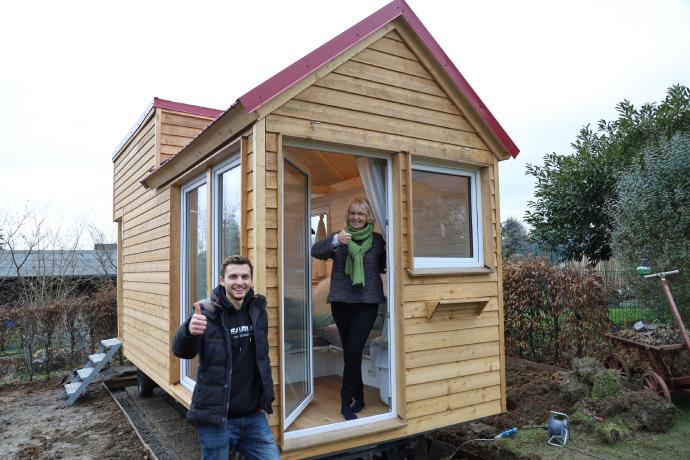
(195,238)
(229,205)
(297,326)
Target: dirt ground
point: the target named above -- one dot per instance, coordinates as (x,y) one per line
(35,424)
(532,392)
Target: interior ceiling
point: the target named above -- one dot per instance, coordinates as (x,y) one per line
(326,168)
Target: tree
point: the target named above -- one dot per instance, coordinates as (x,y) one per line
(573,193)
(652,213)
(47,286)
(514,238)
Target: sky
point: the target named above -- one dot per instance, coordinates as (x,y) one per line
(76,75)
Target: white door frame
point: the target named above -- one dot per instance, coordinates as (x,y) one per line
(310,392)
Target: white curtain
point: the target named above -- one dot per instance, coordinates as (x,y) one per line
(373,174)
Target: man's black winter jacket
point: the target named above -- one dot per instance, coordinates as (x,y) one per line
(211,395)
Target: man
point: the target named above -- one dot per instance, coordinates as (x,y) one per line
(234,389)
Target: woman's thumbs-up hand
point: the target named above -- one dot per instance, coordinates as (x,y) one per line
(197,325)
(344,237)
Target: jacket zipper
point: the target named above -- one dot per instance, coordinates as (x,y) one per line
(228,354)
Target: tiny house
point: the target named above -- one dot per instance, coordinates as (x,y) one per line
(377,112)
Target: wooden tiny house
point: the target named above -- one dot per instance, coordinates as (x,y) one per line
(377,112)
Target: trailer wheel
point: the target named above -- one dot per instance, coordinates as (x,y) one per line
(145,385)
(654,382)
(615,362)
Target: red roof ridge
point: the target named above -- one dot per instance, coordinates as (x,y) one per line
(294,73)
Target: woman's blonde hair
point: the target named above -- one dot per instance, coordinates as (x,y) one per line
(361,203)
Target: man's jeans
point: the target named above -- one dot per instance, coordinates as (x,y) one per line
(251,436)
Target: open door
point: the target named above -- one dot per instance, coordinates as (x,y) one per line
(298,383)
(319,182)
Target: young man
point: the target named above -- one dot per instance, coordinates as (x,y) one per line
(234,389)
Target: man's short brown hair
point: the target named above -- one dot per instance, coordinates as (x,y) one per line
(236,260)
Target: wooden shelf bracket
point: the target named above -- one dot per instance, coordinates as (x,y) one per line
(456,305)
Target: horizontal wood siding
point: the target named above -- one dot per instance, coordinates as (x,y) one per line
(145,250)
(147,263)
(385,98)
(261,236)
(176,130)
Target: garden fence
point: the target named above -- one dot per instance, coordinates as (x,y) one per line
(630,299)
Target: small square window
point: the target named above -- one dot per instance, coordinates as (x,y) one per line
(446,217)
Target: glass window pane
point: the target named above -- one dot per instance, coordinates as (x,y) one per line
(229,204)
(442,216)
(196,212)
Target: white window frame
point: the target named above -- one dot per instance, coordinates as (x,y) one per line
(476,225)
(195,183)
(233,162)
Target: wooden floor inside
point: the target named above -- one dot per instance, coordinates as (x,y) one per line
(325,408)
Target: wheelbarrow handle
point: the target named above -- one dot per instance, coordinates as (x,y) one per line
(662,274)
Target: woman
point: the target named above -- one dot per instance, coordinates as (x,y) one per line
(359,257)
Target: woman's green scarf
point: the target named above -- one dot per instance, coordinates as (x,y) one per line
(354,265)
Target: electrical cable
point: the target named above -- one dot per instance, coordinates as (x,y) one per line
(585,453)
(457,449)
(501,435)
(511,432)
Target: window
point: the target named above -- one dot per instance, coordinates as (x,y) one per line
(227,206)
(194,257)
(446,217)
(196,244)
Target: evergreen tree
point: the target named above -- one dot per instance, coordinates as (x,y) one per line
(572,209)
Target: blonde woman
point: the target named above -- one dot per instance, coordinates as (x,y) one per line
(359,258)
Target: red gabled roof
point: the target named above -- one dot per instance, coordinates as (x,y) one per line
(286,78)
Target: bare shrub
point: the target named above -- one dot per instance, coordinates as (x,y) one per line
(72,325)
(553,314)
(99,312)
(49,317)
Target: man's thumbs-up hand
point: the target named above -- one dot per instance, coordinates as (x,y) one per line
(197,325)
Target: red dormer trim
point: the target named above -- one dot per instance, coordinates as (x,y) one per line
(186,108)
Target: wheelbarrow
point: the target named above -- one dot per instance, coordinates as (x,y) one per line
(660,378)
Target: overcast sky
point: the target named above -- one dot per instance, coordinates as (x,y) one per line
(76,75)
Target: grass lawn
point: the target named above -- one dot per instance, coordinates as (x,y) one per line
(10,351)
(672,445)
